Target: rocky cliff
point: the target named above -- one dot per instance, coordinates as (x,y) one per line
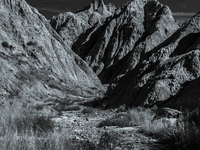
(80,31)
(168,73)
(35,62)
(139,50)
(133,28)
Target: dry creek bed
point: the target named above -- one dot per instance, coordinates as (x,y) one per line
(84,127)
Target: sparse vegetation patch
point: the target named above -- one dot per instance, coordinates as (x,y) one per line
(88,110)
(72,108)
(177,133)
(109,140)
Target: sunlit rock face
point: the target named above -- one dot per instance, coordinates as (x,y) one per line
(35,62)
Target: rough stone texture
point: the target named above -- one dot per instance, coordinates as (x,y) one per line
(142,53)
(151,25)
(81,30)
(167,73)
(34,60)
(134,28)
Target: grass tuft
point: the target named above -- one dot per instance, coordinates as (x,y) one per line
(88,110)
(72,108)
(22,127)
(109,140)
(177,133)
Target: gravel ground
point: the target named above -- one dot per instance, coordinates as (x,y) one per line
(84,127)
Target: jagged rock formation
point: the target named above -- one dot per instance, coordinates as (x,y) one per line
(35,62)
(140,50)
(134,28)
(168,73)
(81,30)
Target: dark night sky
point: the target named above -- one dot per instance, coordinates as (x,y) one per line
(53,7)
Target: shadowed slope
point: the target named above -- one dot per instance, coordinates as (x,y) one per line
(164,71)
(105,43)
(140,51)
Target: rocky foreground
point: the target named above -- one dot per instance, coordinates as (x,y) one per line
(83,126)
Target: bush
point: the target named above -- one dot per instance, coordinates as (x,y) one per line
(18,119)
(121,108)
(72,108)
(131,118)
(84,145)
(183,134)
(38,107)
(36,123)
(88,110)
(118,120)
(23,128)
(52,141)
(109,141)
(186,133)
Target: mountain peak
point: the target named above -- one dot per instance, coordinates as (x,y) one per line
(138,50)
(98,3)
(99,6)
(195,21)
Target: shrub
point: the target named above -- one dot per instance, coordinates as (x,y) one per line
(118,120)
(109,141)
(37,123)
(122,108)
(72,108)
(84,145)
(5,44)
(183,134)
(23,128)
(52,141)
(131,118)
(38,107)
(18,119)
(186,133)
(88,110)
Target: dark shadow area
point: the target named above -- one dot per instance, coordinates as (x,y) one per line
(96,103)
(111,72)
(168,41)
(83,49)
(177,101)
(185,43)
